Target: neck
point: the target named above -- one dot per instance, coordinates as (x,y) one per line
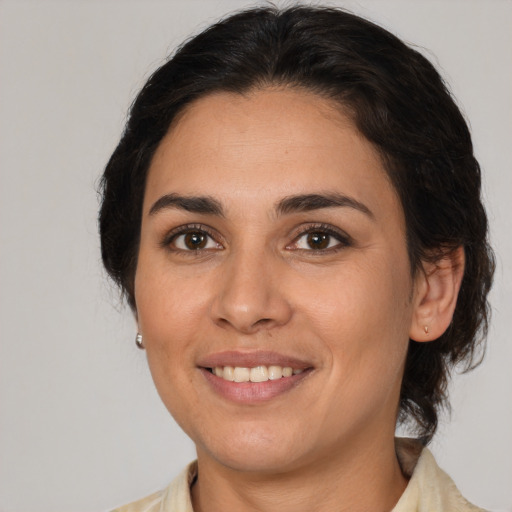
(362,478)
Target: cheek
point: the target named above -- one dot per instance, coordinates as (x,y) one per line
(363,314)
(173,308)
(360,297)
(168,304)
(166,320)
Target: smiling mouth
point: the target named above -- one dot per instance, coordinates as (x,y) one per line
(255,374)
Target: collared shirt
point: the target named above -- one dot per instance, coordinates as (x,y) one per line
(429,489)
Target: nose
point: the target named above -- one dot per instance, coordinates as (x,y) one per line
(249,296)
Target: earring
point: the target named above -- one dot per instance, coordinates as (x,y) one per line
(138,341)
(425,329)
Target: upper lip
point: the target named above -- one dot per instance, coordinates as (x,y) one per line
(252,359)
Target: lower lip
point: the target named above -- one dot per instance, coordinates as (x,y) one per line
(252,392)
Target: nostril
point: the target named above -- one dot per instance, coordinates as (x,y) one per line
(263,321)
(246,327)
(246,308)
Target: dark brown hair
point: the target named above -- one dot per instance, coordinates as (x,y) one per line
(397,100)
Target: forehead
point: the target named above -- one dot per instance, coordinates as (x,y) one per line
(267,142)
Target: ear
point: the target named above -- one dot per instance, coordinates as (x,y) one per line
(136,318)
(436,290)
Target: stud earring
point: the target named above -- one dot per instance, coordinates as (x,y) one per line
(138,341)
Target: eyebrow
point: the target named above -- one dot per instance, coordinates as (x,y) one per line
(298,203)
(310,202)
(196,204)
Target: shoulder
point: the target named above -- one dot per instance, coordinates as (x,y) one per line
(148,504)
(174,498)
(429,488)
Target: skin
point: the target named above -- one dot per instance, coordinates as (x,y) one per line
(348,310)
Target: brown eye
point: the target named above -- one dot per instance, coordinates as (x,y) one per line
(195,241)
(321,239)
(318,240)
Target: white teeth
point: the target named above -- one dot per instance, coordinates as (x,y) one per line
(287,371)
(275,372)
(256,374)
(229,373)
(259,374)
(241,374)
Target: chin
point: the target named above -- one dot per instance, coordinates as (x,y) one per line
(263,462)
(253,450)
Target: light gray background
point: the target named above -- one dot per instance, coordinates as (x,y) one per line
(81,427)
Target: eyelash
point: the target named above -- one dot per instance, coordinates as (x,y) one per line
(173,235)
(343,239)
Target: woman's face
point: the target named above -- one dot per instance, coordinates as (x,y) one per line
(272,238)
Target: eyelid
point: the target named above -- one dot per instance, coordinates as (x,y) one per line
(344,239)
(174,233)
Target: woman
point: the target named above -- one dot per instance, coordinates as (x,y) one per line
(294,215)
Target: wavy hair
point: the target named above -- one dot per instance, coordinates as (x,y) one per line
(397,100)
